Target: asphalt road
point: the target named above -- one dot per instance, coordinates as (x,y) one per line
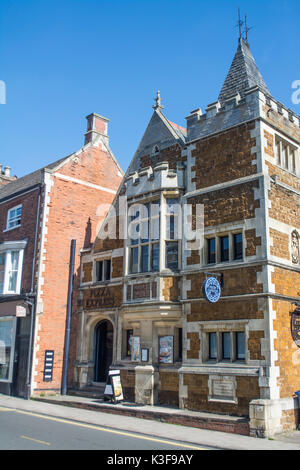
(24,430)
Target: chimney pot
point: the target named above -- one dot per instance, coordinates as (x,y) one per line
(7,171)
(96,125)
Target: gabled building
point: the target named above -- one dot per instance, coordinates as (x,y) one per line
(40,215)
(210,326)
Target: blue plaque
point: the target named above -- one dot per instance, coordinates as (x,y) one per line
(212,289)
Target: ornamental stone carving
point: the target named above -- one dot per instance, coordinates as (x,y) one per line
(295,247)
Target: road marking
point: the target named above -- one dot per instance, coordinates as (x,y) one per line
(112,431)
(36,440)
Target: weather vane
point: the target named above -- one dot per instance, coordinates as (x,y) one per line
(246,30)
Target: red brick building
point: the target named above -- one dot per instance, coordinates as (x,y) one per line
(212,327)
(41,214)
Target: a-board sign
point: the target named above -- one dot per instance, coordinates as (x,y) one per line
(113,388)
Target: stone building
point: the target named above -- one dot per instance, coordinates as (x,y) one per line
(143,308)
(41,213)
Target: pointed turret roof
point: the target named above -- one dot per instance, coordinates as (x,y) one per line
(243,74)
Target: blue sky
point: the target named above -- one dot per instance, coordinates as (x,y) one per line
(62,60)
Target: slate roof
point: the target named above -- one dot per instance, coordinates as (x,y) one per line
(28,181)
(181,131)
(242,74)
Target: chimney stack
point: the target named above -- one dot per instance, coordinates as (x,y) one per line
(96,125)
(7,171)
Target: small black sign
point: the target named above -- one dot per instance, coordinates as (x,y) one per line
(48,365)
(295,326)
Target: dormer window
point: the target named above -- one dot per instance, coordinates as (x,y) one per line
(14,217)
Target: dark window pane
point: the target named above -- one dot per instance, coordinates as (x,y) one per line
(180,344)
(238,246)
(107,267)
(172,255)
(145,231)
(155,257)
(145,257)
(170,227)
(212,346)
(134,233)
(129,334)
(225,248)
(211,251)
(99,270)
(172,206)
(134,258)
(240,346)
(226,345)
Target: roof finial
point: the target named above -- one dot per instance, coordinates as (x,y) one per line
(158,104)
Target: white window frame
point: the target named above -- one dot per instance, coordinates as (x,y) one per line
(281,146)
(6,249)
(8,220)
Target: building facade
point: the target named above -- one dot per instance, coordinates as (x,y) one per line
(143,309)
(41,213)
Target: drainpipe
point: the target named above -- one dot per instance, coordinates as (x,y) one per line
(69,312)
(32,303)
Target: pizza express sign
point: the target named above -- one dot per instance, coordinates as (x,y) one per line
(97,298)
(295,326)
(212,289)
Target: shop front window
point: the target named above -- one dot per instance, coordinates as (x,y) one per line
(7,338)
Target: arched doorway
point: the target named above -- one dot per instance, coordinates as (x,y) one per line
(103,352)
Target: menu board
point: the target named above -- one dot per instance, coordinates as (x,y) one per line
(166,348)
(113,387)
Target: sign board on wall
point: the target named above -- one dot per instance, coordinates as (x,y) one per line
(48,365)
(295,326)
(20,311)
(212,289)
(166,347)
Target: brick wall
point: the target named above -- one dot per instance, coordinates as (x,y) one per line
(198,391)
(29,203)
(170,154)
(168,393)
(287,283)
(224,157)
(73,214)
(235,203)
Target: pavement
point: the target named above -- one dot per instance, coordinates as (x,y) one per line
(82,409)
